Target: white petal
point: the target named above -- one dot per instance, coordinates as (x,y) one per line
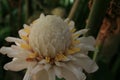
(86,63)
(16,65)
(71,57)
(87,40)
(42,16)
(51,50)
(71,25)
(37,69)
(22,33)
(47,66)
(15,51)
(42,62)
(23,52)
(68,75)
(66,59)
(28,74)
(66,20)
(51,74)
(25,26)
(5,50)
(79,75)
(12,39)
(84,47)
(41,75)
(58,63)
(58,71)
(81,32)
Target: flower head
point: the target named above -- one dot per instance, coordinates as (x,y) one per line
(51,47)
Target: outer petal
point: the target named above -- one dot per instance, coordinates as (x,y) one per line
(41,75)
(85,48)
(22,33)
(71,25)
(79,74)
(76,72)
(37,69)
(58,71)
(16,40)
(16,65)
(87,40)
(68,75)
(15,51)
(21,50)
(66,20)
(47,66)
(81,32)
(42,16)
(28,74)
(86,44)
(86,63)
(51,74)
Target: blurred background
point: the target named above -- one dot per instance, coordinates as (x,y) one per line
(102,17)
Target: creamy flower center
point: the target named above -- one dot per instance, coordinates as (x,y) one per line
(49,36)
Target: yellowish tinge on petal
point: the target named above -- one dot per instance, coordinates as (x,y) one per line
(74,42)
(27,30)
(73,30)
(33,55)
(24,38)
(73,50)
(75,35)
(60,57)
(47,59)
(25,46)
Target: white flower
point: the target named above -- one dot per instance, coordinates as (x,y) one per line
(51,47)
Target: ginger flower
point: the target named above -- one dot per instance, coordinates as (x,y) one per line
(51,47)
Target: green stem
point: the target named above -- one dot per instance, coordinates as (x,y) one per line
(26,9)
(97,51)
(96,16)
(73,9)
(95,19)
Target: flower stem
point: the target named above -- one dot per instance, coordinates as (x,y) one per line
(95,19)
(97,51)
(73,9)
(96,16)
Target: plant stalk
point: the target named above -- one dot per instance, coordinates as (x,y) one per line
(73,10)
(96,16)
